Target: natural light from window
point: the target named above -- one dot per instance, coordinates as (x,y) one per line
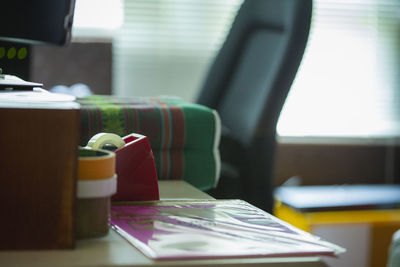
(348,83)
(97,18)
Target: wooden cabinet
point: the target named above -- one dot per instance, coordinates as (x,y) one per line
(38,164)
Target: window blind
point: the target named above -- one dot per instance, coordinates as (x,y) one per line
(165,46)
(96,18)
(348,82)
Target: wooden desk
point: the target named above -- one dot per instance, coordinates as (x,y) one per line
(113,250)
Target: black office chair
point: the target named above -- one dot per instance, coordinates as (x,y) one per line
(248,84)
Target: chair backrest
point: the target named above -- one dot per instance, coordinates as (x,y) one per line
(250,77)
(252,74)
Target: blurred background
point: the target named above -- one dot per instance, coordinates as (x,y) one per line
(340,124)
(345,98)
(348,83)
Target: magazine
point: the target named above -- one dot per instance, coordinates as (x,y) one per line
(194,229)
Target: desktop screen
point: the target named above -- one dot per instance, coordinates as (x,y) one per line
(39,21)
(24,23)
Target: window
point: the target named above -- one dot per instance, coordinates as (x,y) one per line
(165,46)
(348,83)
(97,18)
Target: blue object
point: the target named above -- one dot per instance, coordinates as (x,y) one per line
(339,197)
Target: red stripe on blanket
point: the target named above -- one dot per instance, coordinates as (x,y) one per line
(178,141)
(99,120)
(166,143)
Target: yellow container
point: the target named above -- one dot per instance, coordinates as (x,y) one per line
(366,234)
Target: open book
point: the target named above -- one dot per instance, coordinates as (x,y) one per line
(189,229)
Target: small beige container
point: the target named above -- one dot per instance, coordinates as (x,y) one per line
(97,182)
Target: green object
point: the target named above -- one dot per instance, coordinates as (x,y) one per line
(2,51)
(22,53)
(11,53)
(88,153)
(183,136)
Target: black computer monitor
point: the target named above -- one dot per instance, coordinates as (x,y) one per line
(36,21)
(31,22)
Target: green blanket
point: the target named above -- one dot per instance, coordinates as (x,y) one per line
(184,136)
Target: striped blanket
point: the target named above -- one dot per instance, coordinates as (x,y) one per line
(184,137)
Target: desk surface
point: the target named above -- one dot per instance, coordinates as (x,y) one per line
(113,250)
